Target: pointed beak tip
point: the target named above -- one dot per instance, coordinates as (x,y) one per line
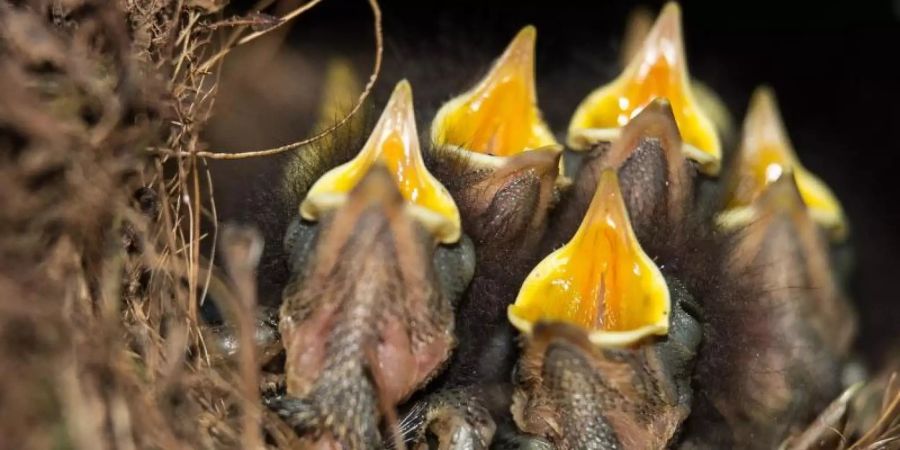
(401,98)
(656,118)
(670,18)
(403,88)
(660,105)
(764,92)
(519,54)
(528,34)
(764,102)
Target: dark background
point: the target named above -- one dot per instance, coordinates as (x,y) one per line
(833,67)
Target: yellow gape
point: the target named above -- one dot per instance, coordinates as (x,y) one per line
(601,280)
(393,143)
(657,70)
(499,116)
(766,153)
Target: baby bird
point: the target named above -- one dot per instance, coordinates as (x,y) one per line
(377,263)
(501,164)
(773,355)
(609,347)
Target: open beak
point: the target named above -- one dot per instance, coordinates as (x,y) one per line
(764,155)
(601,281)
(499,117)
(796,305)
(638,27)
(394,144)
(658,69)
(784,246)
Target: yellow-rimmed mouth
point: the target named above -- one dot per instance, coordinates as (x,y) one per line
(658,70)
(601,280)
(394,143)
(764,155)
(499,116)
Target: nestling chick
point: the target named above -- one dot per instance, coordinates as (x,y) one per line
(367,317)
(800,322)
(498,158)
(774,354)
(501,164)
(609,348)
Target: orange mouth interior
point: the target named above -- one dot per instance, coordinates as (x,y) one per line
(601,280)
(499,116)
(658,70)
(765,154)
(394,143)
